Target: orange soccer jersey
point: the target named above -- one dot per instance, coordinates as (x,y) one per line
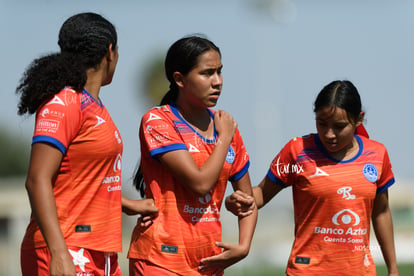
(87,188)
(333,202)
(187,225)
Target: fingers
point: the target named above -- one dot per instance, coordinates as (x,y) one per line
(242,197)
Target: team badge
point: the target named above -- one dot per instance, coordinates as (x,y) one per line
(370,172)
(230,155)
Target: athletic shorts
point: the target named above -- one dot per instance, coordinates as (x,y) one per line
(87,262)
(138,267)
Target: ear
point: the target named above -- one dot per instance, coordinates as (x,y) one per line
(360,118)
(110,54)
(179,79)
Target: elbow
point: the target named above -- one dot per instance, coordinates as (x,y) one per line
(201,188)
(201,191)
(29,185)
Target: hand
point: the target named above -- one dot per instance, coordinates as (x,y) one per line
(141,206)
(62,265)
(240,204)
(231,254)
(225,125)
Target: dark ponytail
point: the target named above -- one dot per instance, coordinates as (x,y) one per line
(84,40)
(45,77)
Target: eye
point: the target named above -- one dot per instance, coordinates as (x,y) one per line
(208,72)
(340,126)
(321,123)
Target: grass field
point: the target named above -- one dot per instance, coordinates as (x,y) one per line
(404,269)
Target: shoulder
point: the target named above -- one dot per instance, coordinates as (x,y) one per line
(372,144)
(157,112)
(65,99)
(302,141)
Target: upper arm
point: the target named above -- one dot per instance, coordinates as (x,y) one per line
(181,164)
(267,190)
(44,164)
(380,203)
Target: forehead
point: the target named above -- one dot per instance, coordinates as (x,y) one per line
(332,113)
(209,59)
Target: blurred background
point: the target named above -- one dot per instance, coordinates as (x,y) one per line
(277,56)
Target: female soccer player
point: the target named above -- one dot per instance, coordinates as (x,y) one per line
(188,154)
(74,178)
(339,181)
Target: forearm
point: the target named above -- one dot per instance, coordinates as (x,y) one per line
(44,210)
(258,197)
(247,226)
(384,232)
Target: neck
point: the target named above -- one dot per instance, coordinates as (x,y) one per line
(93,82)
(198,117)
(348,152)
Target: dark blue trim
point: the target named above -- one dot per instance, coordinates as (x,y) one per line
(326,153)
(241,173)
(275,180)
(386,186)
(168,148)
(95,100)
(178,115)
(49,140)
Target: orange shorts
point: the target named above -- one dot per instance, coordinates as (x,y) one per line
(87,262)
(139,267)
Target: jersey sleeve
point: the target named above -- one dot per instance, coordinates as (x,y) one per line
(279,168)
(159,134)
(58,121)
(241,161)
(387,176)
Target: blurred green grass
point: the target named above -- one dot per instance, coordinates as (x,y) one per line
(404,269)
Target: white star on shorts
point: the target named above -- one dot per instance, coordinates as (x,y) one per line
(79,259)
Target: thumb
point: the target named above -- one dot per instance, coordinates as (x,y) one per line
(223,245)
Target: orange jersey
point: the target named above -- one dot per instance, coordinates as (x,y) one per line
(187,225)
(87,188)
(333,202)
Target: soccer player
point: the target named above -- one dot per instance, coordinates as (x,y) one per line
(188,154)
(340,182)
(74,177)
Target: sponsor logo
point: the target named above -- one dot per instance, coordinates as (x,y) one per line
(114,188)
(230,155)
(100,121)
(45,112)
(319,172)
(79,259)
(346,216)
(209,213)
(118,137)
(47,125)
(56,100)
(152,117)
(118,163)
(370,172)
(287,168)
(169,249)
(192,148)
(346,193)
(159,138)
(205,199)
(201,210)
(111,179)
(351,234)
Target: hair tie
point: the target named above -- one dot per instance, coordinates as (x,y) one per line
(360,130)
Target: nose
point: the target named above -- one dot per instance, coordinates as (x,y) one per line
(330,134)
(217,80)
